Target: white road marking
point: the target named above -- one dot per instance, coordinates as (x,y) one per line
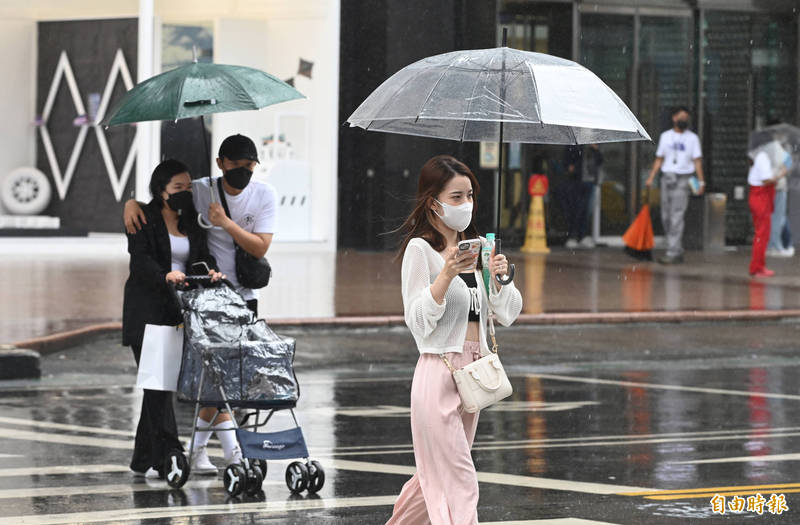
(263,509)
(490,477)
(556,521)
(623,438)
(149,486)
(747,435)
(587,439)
(596,441)
(742,459)
(86,441)
(61,469)
(503,479)
(49,425)
(656,386)
(404,411)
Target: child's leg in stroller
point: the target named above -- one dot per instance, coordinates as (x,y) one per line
(204,421)
(223,428)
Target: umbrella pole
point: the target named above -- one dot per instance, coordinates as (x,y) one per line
(499,175)
(207,156)
(497,179)
(506,279)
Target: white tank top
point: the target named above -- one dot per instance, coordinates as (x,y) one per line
(180,252)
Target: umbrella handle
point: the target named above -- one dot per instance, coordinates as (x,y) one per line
(506,279)
(203,223)
(200,220)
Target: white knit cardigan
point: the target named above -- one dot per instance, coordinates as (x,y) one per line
(440,328)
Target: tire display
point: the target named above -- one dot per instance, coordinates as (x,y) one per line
(25,191)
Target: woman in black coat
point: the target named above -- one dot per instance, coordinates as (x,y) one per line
(168,247)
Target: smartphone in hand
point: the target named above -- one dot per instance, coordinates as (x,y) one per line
(473,246)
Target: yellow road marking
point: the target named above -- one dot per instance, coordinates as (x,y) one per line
(712,494)
(712,489)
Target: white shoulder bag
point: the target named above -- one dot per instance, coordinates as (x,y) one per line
(483,382)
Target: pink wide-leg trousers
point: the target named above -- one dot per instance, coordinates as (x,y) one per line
(444,491)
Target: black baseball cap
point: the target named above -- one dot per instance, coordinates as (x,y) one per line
(238,147)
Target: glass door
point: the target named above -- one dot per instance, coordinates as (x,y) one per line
(607,49)
(665,81)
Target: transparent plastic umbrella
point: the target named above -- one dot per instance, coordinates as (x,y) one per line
(500,94)
(467,95)
(780,142)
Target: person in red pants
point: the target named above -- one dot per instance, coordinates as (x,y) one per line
(761,179)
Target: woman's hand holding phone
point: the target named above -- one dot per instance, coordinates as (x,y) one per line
(458,261)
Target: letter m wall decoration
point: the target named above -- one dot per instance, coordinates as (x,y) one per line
(84,67)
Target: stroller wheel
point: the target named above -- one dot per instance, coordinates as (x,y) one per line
(254,481)
(176,468)
(316,477)
(296,477)
(261,465)
(235,479)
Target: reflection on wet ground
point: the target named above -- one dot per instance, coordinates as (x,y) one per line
(82,284)
(608,424)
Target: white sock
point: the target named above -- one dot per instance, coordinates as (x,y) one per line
(226,437)
(201,437)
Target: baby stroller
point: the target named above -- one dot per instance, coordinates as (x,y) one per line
(230,360)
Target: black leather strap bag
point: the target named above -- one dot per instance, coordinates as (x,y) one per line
(251,271)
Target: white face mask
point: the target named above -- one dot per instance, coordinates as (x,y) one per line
(456,217)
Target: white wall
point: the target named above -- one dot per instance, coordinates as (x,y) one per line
(275,44)
(18,93)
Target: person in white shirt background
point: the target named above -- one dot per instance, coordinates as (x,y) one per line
(761,181)
(446,306)
(780,227)
(678,157)
(251,225)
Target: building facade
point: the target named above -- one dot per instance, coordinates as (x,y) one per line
(733,62)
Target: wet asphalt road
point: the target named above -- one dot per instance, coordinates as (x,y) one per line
(623,424)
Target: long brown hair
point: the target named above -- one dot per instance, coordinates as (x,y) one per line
(433,177)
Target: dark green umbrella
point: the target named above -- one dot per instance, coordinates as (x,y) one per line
(199,89)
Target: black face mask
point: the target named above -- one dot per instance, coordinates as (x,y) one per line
(180,201)
(239,177)
(682,124)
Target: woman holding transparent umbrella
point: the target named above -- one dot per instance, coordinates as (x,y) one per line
(446,308)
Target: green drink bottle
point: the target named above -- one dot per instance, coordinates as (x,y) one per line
(486,255)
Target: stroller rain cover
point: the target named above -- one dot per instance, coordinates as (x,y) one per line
(251,362)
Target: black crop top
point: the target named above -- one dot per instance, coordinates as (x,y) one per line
(469,279)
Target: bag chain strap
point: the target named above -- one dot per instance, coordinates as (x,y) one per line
(491,334)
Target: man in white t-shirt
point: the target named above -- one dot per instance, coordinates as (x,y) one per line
(252,206)
(678,157)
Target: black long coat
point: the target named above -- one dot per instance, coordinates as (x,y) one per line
(148,298)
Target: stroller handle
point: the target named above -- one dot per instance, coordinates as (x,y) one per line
(203,280)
